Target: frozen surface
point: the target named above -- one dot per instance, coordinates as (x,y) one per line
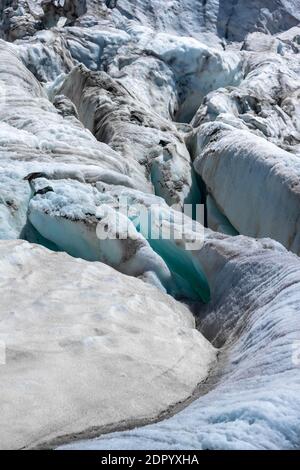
(151,146)
(254,182)
(164,103)
(81,352)
(253,397)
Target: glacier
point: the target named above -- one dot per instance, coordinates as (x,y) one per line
(115,116)
(252,397)
(55,341)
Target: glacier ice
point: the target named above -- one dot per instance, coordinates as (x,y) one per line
(159,104)
(256,103)
(252,399)
(78,312)
(151,146)
(254,182)
(88,222)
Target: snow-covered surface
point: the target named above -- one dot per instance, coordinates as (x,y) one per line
(254,183)
(162,103)
(151,146)
(253,397)
(72,216)
(87,347)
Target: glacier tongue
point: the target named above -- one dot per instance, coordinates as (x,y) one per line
(106,104)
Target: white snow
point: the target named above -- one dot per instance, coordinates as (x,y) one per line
(254,182)
(87,347)
(198,68)
(253,397)
(151,146)
(162,103)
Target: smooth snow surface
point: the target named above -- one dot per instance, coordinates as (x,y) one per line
(81,352)
(254,396)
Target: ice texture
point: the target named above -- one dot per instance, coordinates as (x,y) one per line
(81,346)
(252,399)
(253,181)
(163,104)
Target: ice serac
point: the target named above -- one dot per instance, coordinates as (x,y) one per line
(212,21)
(197,67)
(46,141)
(87,347)
(254,182)
(247,143)
(152,147)
(228,19)
(265,101)
(38,136)
(252,399)
(103,222)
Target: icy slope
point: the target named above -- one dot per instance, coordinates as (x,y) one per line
(36,136)
(266,100)
(246,143)
(161,103)
(253,398)
(151,145)
(254,183)
(45,140)
(229,19)
(81,352)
